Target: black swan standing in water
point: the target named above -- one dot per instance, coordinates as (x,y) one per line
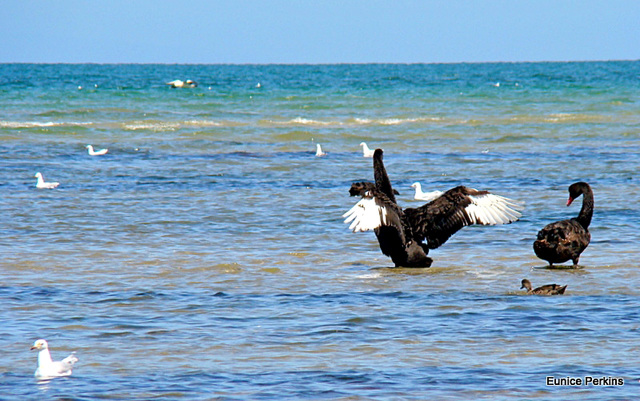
(549,289)
(401,232)
(563,240)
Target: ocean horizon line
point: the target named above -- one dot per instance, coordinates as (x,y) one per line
(324,63)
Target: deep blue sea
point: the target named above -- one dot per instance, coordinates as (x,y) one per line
(205,257)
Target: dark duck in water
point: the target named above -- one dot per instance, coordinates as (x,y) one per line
(402,233)
(549,289)
(563,240)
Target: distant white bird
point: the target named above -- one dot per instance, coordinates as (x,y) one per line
(366,152)
(44,185)
(426,196)
(177,83)
(47,368)
(319,151)
(96,152)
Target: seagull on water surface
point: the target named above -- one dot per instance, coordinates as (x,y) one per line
(41,184)
(426,196)
(319,151)
(177,83)
(96,152)
(47,368)
(366,152)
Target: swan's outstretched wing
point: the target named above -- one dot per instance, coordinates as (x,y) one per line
(458,207)
(376,212)
(373,211)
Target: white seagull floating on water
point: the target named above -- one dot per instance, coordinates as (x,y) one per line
(427,196)
(366,152)
(47,368)
(44,185)
(319,151)
(96,152)
(177,83)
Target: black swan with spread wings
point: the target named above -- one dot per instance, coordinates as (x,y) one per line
(406,235)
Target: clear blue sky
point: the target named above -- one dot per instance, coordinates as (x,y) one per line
(318,31)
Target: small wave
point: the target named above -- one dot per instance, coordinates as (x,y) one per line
(395,121)
(574,118)
(172,125)
(536,119)
(302,121)
(371,275)
(203,123)
(358,121)
(36,124)
(152,126)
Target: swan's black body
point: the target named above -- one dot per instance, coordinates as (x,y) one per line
(402,233)
(565,240)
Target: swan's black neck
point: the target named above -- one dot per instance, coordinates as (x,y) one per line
(586,213)
(383,184)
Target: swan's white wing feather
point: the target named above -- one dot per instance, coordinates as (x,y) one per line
(490,209)
(366,215)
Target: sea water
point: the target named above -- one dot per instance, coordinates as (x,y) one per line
(205,257)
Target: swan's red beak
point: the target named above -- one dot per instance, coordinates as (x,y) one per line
(569,201)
